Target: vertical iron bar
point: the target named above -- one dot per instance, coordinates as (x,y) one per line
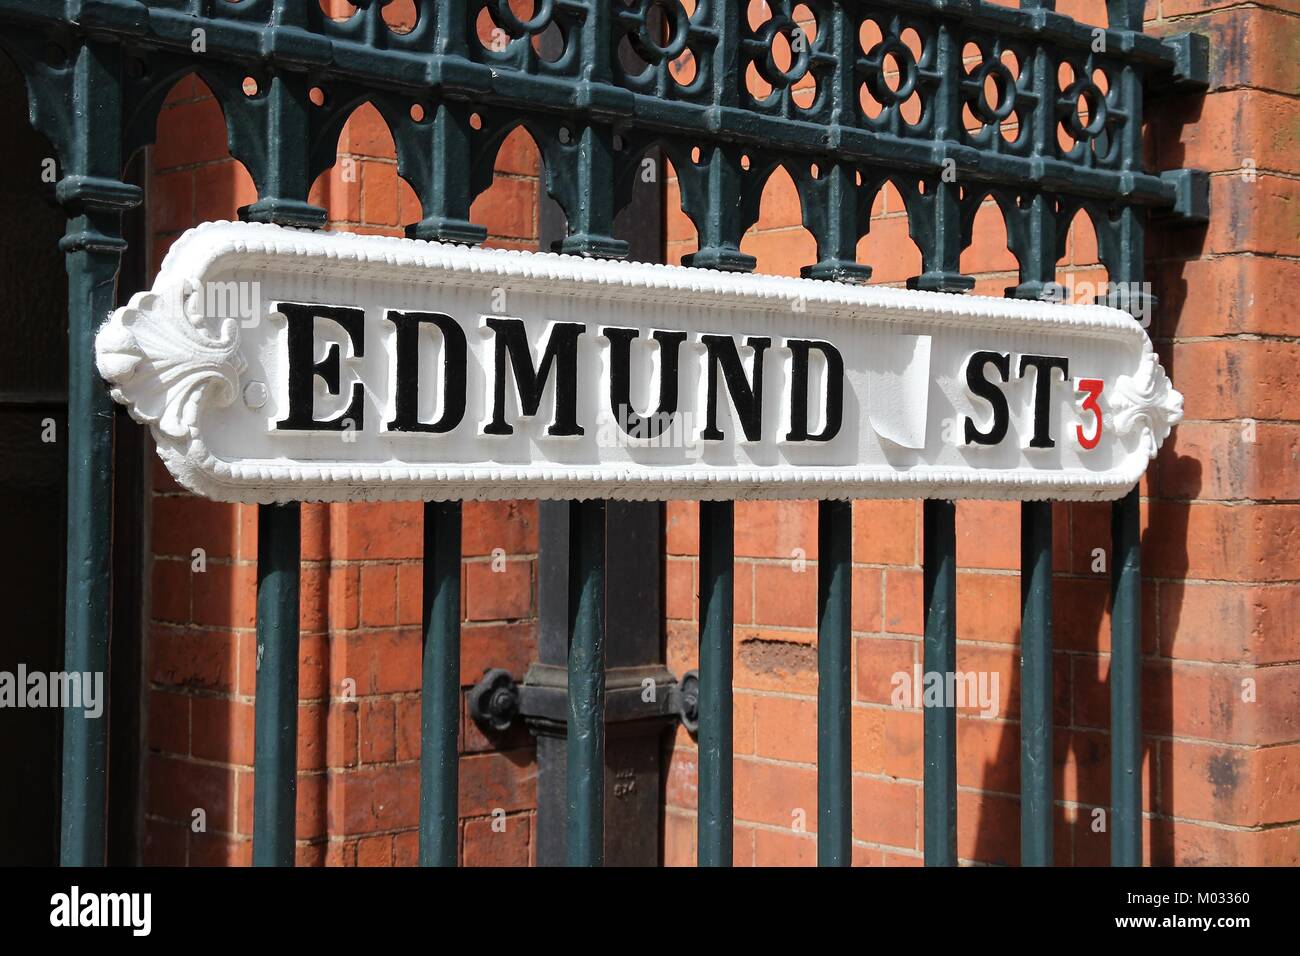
(436,166)
(585,839)
(282,172)
(89,530)
(1125,675)
(440,685)
(1036,683)
(591,205)
(275,756)
(717,618)
(94,197)
(941,239)
(834,683)
(1037,248)
(1125,240)
(940,722)
(724,224)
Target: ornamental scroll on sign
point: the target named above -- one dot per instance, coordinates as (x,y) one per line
(275,364)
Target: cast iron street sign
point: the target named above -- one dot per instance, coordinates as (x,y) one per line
(275,364)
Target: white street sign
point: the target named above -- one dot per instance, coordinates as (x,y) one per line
(276,364)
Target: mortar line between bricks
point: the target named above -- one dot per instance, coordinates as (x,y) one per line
(413,562)
(415,760)
(765,827)
(787,831)
(1263,827)
(775,694)
(1235,423)
(1218,824)
(366,630)
(912,852)
(1012,723)
(208,762)
(1259,171)
(773,762)
(1230,255)
(1227,582)
(1244,255)
(1239,665)
(1247,88)
(1202,741)
(1013,795)
(1237,582)
(877,705)
(881,777)
(1230,337)
(1158,658)
(400,831)
(685,813)
(198,693)
(198,166)
(1246,5)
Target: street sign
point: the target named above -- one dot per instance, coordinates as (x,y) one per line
(276,364)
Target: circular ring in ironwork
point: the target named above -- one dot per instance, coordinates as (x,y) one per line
(1088,91)
(799,54)
(647,45)
(540,20)
(891,45)
(1005,82)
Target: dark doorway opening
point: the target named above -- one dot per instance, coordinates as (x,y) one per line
(33,474)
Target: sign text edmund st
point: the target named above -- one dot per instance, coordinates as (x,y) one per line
(385,368)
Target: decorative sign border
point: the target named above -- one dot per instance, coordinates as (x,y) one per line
(182,364)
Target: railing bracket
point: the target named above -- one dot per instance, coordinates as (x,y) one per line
(686,701)
(632,694)
(494,700)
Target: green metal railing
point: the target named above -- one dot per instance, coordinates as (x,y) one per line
(939,650)
(279,535)
(717,618)
(586,725)
(440,681)
(834,683)
(99,70)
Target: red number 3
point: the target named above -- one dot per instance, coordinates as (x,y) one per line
(1093,387)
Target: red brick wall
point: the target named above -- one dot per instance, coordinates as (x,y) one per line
(1221,779)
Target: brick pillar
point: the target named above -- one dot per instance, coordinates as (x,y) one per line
(1223,682)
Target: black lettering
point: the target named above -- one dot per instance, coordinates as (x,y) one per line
(454,351)
(620,381)
(559,351)
(747,399)
(302,370)
(799,390)
(991,393)
(1043,365)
